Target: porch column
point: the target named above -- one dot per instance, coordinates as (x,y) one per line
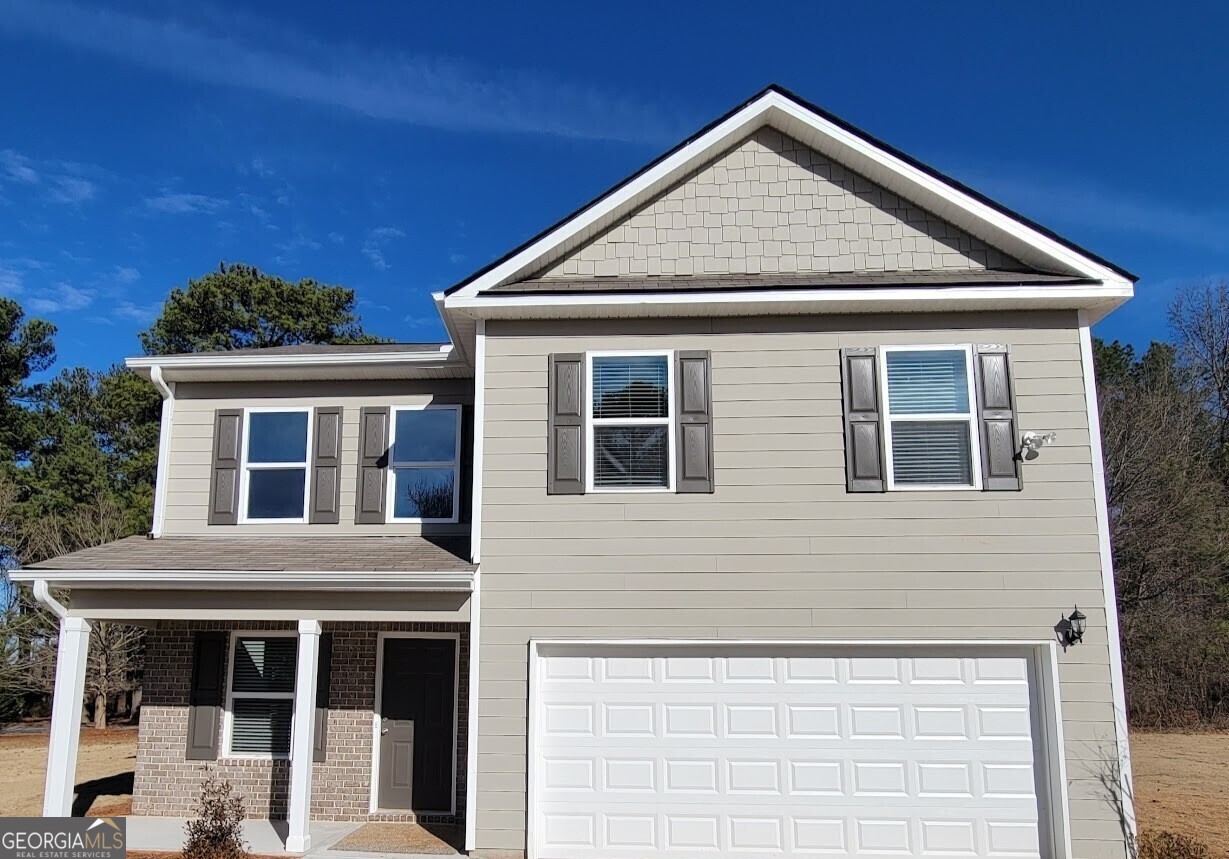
(66,716)
(301,737)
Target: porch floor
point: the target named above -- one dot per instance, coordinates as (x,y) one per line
(264,837)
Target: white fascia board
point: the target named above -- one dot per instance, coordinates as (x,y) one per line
(1097,299)
(223,360)
(762,111)
(254,580)
(458,342)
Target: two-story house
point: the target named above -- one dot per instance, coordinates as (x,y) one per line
(728,523)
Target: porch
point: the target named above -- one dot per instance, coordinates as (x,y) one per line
(321,700)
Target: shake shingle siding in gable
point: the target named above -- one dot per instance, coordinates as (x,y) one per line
(773,205)
(781,550)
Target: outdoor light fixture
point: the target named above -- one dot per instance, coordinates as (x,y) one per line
(1032,442)
(1074,633)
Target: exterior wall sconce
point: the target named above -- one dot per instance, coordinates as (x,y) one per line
(1073,633)
(1032,442)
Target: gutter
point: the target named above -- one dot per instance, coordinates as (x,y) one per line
(167,389)
(42,593)
(428,581)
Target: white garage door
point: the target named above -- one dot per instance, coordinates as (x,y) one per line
(679,754)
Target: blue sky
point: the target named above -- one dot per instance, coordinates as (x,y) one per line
(396,149)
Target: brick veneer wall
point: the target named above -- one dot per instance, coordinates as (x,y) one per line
(168,785)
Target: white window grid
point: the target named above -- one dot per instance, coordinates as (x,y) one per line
(228,722)
(591,421)
(394,465)
(969,417)
(247,466)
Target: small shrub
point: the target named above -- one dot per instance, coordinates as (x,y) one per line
(218,832)
(1170,845)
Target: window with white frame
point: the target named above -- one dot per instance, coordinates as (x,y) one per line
(630,415)
(931,431)
(275,453)
(261,695)
(425,451)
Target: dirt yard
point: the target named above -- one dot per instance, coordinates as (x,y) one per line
(1182,784)
(1181,781)
(105,764)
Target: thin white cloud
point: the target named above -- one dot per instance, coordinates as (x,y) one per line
(336,238)
(125,274)
(12,281)
(1067,202)
(61,297)
(373,247)
(18,167)
(137,312)
(175,203)
(71,189)
(416,89)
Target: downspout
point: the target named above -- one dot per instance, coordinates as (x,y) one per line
(42,593)
(164,448)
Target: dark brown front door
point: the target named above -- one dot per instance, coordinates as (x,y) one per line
(417,721)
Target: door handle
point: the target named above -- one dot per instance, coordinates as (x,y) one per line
(383,731)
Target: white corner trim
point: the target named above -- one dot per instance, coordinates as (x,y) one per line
(773,105)
(1108,584)
(471,760)
(453,581)
(167,389)
(475,502)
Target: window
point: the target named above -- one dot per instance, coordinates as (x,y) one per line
(931,431)
(261,700)
(275,465)
(630,416)
(424,451)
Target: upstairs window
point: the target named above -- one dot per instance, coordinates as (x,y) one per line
(424,454)
(261,695)
(275,465)
(630,413)
(931,429)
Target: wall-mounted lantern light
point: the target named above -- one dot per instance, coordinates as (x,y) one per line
(1074,632)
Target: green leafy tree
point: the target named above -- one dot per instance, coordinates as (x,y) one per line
(26,347)
(239,306)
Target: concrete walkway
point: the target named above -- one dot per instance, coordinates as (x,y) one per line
(265,837)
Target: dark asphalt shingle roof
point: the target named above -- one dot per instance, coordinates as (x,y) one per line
(366,554)
(717,283)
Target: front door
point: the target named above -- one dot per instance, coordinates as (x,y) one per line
(417,724)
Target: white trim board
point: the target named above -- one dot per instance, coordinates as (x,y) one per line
(460,581)
(792,117)
(1108,584)
(1042,658)
(381,637)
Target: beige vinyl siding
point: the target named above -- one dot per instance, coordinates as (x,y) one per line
(187,497)
(781,550)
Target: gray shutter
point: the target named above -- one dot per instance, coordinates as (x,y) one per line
(1000,467)
(326,467)
(694,430)
(205,695)
(372,465)
(863,424)
(565,446)
(227,452)
(323,676)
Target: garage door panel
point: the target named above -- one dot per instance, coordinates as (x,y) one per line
(683,755)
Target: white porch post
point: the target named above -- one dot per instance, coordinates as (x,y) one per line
(301,733)
(66,716)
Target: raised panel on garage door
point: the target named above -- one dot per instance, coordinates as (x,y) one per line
(698,752)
